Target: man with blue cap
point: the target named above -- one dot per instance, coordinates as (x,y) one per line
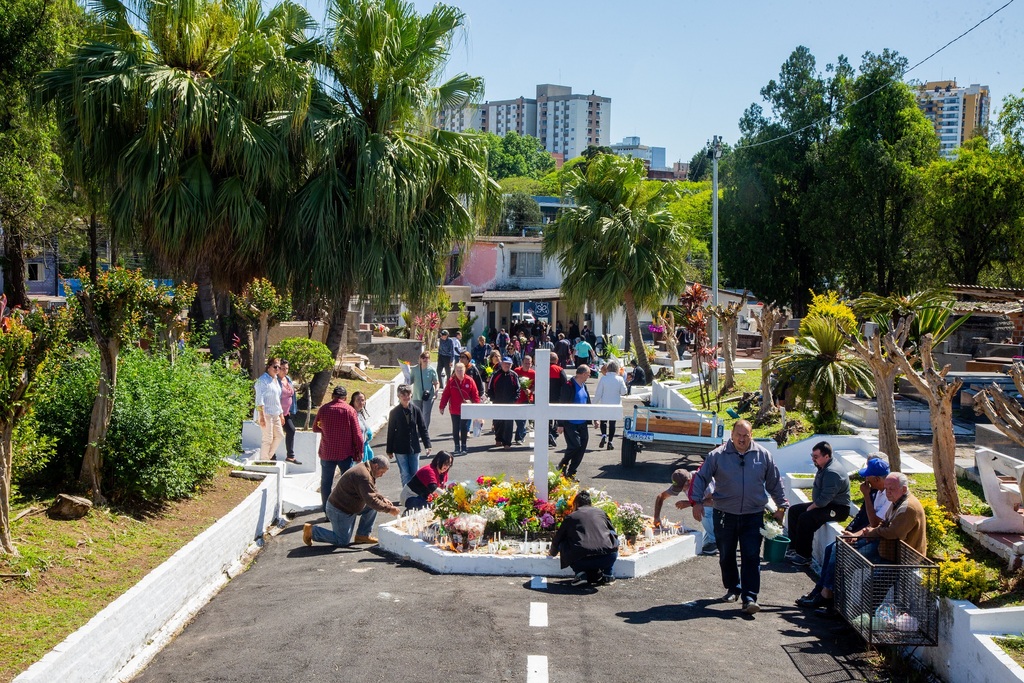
(871,514)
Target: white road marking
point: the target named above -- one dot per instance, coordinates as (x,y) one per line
(539,614)
(536,669)
(539,583)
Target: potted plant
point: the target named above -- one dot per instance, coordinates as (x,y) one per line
(630,520)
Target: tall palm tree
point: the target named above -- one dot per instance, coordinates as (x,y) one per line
(168,101)
(820,367)
(387,195)
(619,244)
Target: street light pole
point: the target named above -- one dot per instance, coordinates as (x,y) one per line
(715,152)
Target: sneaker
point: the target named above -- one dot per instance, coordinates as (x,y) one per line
(517,442)
(810,601)
(366,539)
(828,611)
(730,597)
(709,549)
(307,534)
(552,442)
(790,554)
(604,440)
(605,579)
(799,560)
(579,580)
(611,446)
(751,607)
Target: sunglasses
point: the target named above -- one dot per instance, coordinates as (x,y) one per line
(275,366)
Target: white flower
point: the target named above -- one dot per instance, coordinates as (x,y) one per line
(771,530)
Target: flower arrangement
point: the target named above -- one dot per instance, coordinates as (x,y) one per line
(525,383)
(654,328)
(771,529)
(630,519)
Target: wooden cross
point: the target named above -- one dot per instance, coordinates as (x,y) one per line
(541,411)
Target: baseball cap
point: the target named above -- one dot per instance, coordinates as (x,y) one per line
(444,333)
(506,359)
(680,481)
(875,467)
(339,391)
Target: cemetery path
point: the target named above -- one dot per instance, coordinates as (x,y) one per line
(323,614)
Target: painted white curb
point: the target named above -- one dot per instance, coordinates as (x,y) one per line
(116,643)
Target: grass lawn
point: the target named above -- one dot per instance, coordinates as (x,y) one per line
(1013,646)
(749,381)
(76,568)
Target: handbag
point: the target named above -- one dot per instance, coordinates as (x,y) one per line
(425,396)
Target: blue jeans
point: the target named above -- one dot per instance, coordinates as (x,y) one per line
(327,476)
(408,463)
(342,524)
(595,563)
(745,531)
(520,430)
(708,522)
(868,548)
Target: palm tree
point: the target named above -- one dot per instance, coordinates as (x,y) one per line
(168,102)
(388,195)
(619,244)
(820,367)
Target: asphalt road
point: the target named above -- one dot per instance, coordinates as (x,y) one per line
(326,614)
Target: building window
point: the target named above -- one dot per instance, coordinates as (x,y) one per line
(35,273)
(525,264)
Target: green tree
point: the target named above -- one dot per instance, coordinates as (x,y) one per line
(24,341)
(619,244)
(114,309)
(872,188)
(261,307)
(771,178)
(306,357)
(1011,124)
(821,366)
(975,209)
(516,155)
(519,210)
(693,208)
(34,34)
(388,195)
(168,102)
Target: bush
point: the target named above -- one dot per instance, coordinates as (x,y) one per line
(172,424)
(170,427)
(964,579)
(938,525)
(32,451)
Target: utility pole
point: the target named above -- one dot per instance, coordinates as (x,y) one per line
(715,152)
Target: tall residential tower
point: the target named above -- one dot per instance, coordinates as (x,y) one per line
(957,113)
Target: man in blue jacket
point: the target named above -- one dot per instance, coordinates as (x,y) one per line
(744,474)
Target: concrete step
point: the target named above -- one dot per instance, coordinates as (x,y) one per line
(855,461)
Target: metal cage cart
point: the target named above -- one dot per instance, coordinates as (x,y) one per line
(888,604)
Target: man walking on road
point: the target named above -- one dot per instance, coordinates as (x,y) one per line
(577,432)
(744,474)
(503,388)
(446,352)
(341,439)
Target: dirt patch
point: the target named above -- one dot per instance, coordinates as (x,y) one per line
(76,568)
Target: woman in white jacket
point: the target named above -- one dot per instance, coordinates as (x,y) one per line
(610,390)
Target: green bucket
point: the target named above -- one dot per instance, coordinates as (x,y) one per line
(775,549)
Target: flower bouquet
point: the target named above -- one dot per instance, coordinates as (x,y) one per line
(630,519)
(771,529)
(465,531)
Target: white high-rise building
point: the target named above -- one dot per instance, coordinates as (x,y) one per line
(568,123)
(631,147)
(565,123)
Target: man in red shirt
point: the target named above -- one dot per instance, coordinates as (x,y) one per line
(525,395)
(341,439)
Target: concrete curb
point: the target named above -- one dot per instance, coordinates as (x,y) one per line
(119,641)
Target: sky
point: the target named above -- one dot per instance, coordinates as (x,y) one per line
(679,72)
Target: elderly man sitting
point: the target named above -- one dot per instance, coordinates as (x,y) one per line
(354,498)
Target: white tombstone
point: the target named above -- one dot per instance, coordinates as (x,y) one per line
(541,411)
(1002,498)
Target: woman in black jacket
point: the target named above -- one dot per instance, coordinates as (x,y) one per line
(406,430)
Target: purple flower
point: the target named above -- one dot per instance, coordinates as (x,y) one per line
(547,521)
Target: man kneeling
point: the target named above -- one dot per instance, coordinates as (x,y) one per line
(587,542)
(355,497)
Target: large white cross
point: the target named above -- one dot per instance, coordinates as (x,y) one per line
(540,412)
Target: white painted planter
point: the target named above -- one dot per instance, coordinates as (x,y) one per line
(397,542)
(966,652)
(127,633)
(800,482)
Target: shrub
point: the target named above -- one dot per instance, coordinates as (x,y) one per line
(829,306)
(170,427)
(32,451)
(938,525)
(172,424)
(964,579)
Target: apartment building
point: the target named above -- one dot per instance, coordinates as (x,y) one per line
(564,122)
(654,157)
(956,112)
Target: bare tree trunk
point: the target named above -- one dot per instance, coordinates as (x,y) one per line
(669,322)
(335,337)
(258,348)
(94,248)
(14,266)
(633,324)
(933,385)
(768,320)
(884,369)
(1004,412)
(102,407)
(208,305)
(6,460)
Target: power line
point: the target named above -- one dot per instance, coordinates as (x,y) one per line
(879,88)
